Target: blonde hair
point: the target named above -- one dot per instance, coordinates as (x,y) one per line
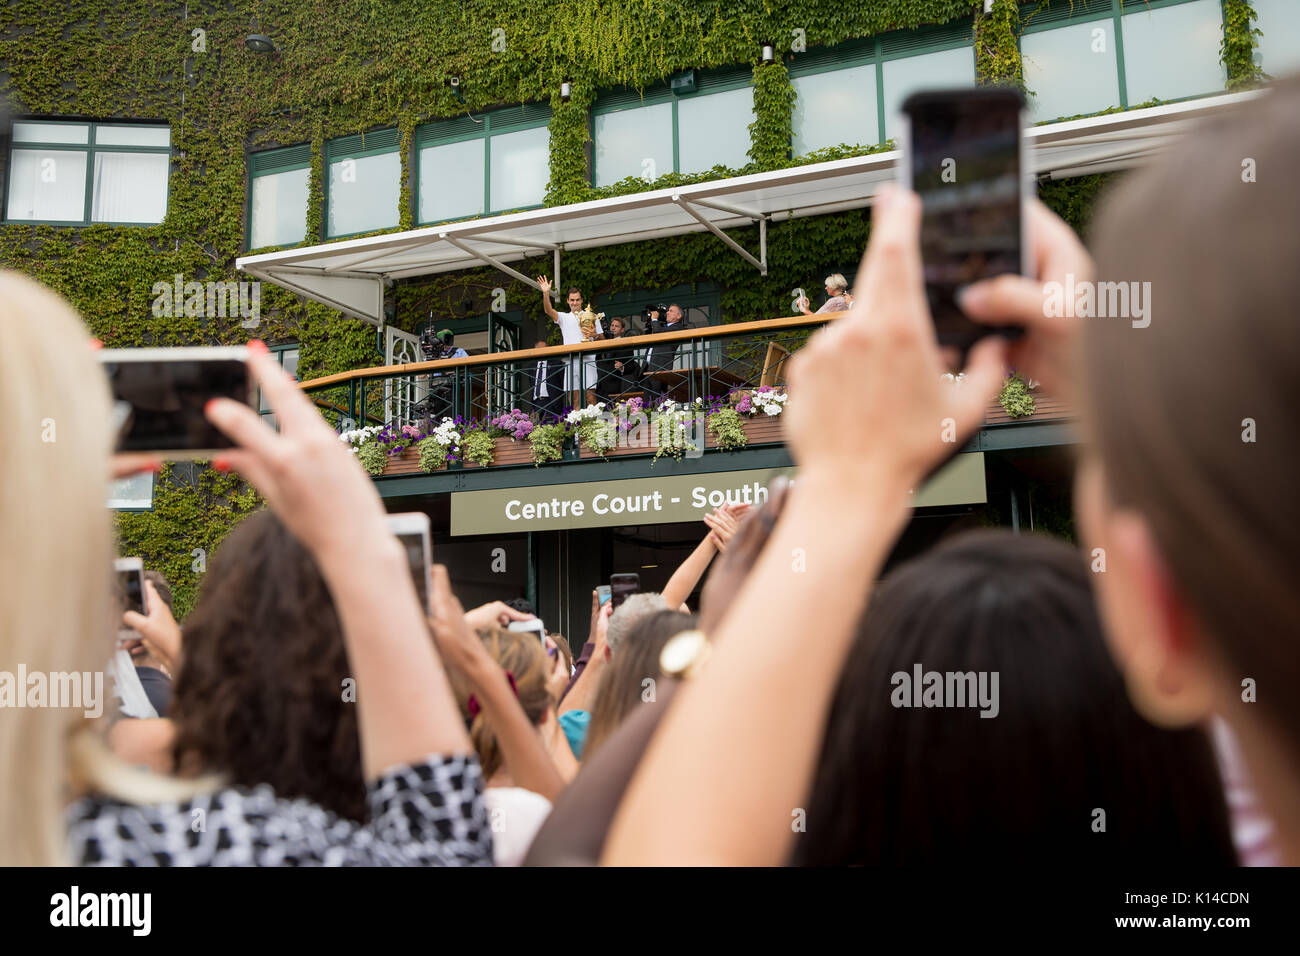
(837,283)
(55,549)
(522,655)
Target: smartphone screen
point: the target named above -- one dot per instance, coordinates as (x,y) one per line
(162,395)
(412,531)
(964,161)
(130,585)
(621,586)
(414,546)
(602,594)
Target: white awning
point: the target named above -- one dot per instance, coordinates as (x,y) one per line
(351,275)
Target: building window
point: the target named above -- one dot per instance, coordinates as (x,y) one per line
(906,75)
(277,196)
(1279,47)
(1173,52)
(852,94)
(287,356)
(1082,58)
(665,132)
(713,130)
(1071,69)
(78,173)
(470,167)
(836,107)
(363,183)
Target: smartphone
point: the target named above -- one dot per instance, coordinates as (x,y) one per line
(129,585)
(412,530)
(621,586)
(159,396)
(602,595)
(535,625)
(963,154)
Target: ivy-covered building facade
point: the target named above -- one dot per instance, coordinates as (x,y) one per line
(150,145)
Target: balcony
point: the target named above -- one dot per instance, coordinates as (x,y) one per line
(724,382)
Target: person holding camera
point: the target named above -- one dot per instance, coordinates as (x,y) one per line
(837,297)
(438,346)
(662,356)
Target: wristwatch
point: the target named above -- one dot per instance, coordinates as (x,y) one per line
(685,654)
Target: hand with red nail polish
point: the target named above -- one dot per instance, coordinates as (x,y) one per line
(324,497)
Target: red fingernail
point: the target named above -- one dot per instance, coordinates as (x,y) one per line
(209,405)
(221,464)
(95,344)
(257,347)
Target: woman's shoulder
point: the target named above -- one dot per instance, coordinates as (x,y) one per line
(516,798)
(426,813)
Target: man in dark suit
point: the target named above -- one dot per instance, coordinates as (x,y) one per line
(546,388)
(663,354)
(619,369)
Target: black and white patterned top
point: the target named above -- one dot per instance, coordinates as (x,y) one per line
(429,813)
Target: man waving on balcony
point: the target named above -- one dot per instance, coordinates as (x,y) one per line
(571,330)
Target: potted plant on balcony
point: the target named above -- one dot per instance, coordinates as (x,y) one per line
(439,446)
(759,410)
(510,432)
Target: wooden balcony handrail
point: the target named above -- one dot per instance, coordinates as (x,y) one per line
(635,341)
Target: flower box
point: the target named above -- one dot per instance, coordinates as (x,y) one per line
(405,462)
(508,451)
(759,430)
(618,451)
(764,429)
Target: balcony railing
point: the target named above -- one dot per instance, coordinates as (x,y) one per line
(685,365)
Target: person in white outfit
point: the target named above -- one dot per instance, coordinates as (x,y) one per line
(573,334)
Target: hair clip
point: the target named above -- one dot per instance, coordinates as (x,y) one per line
(472,704)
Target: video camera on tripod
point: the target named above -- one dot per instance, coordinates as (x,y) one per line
(433,344)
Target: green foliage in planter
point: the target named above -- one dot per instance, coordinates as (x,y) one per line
(433,454)
(548,443)
(1237,48)
(1015,398)
(997,47)
(373,456)
(478,447)
(727,429)
(597,435)
(673,432)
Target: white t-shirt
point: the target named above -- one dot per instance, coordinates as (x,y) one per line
(572,333)
(516,815)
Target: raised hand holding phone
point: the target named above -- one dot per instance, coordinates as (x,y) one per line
(328,502)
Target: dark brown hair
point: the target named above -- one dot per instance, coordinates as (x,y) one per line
(622,685)
(929,786)
(1213,227)
(260,693)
